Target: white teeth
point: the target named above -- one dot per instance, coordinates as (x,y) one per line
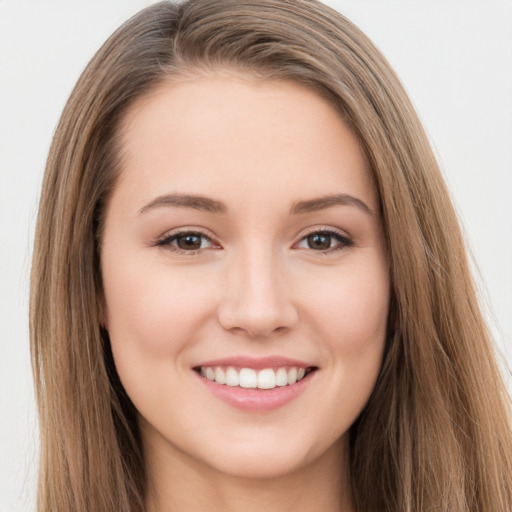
(232,378)
(292,376)
(251,379)
(220,376)
(248,378)
(281,377)
(267,379)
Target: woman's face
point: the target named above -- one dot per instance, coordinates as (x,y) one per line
(243,244)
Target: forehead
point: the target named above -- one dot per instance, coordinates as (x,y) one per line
(233,137)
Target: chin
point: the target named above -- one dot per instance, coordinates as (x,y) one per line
(271,459)
(260,466)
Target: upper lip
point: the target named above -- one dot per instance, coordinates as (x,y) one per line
(256,363)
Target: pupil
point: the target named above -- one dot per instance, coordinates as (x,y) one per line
(189,242)
(319,241)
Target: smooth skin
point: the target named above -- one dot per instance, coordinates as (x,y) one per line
(219,242)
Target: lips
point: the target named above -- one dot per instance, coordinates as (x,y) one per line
(255,384)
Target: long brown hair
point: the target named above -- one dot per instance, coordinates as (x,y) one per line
(436,433)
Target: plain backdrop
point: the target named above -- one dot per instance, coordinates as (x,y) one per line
(454,57)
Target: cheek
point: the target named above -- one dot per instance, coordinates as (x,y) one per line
(352,310)
(152,311)
(154,315)
(354,315)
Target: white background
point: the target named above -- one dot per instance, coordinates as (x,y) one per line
(455,58)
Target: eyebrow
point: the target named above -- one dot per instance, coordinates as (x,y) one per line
(206,204)
(313,205)
(203,204)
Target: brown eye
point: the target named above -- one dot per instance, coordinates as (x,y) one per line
(325,241)
(189,241)
(319,241)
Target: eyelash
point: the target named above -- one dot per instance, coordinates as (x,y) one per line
(167,242)
(344,241)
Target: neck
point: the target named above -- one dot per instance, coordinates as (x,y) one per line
(179,483)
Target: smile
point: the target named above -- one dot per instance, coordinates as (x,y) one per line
(249,378)
(256,384)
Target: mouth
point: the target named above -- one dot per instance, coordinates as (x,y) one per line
(254,378)
(256,384)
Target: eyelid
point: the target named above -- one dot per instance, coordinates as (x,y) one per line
(165,240)
(344,239)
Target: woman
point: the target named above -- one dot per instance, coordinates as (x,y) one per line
(249,286)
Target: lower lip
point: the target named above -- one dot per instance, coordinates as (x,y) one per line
(257,399)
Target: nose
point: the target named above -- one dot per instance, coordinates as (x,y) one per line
(256,300)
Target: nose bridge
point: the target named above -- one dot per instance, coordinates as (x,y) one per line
(256,300)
